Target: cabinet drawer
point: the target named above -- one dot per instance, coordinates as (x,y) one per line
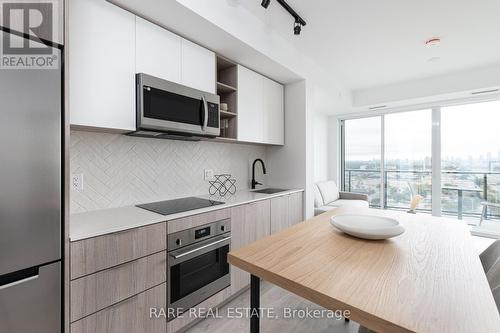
(95,292)
(128,316)
(197,220)
(94,254)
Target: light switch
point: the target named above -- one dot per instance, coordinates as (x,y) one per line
(208,174)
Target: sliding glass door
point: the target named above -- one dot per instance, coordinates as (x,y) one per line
(470,150)
(407,152)
(389,158)
(449,155)
(362,157)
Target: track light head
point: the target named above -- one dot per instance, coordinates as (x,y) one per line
(299,21)
(297,28)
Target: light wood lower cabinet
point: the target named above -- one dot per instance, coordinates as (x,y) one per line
(295,208)
(97,291)
(249,223)
(286,211)
(279,213)
(117,278)
(129,316)
(94,254)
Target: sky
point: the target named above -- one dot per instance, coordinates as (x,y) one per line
(471,130)
(466,130)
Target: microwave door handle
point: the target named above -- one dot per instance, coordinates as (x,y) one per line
(205,110)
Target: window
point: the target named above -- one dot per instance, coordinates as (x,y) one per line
(389,157)
(408,169)
(470,157)
(362,157)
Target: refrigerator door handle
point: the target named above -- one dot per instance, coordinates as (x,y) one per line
(17,278)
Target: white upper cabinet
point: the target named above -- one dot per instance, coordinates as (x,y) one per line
(158,51)
(198,67)
(250,102)
(274,115)
(167,56)
(101,65)
(260,108)
(108,46)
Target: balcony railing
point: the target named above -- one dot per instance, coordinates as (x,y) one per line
(462,191)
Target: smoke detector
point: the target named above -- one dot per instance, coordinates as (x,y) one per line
(433,42)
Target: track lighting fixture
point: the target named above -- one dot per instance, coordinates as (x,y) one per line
(297,27)
(299,22)
(265,3)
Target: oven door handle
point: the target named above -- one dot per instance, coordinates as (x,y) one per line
(183,254)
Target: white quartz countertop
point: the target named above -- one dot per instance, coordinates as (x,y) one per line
(106,221)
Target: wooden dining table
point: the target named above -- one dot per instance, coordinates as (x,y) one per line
(429,279)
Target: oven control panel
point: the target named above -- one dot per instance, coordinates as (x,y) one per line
(190,236)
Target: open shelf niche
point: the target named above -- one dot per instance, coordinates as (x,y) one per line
(227,89)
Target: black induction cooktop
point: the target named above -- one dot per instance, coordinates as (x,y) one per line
(179,205)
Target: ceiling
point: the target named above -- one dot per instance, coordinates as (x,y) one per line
(366,44)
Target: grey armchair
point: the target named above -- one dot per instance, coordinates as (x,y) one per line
(493,277)
(490,256)
(327,196)
(490,259)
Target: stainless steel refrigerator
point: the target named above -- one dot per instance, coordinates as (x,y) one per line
(31,155)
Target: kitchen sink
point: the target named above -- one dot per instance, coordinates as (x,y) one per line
(270,190)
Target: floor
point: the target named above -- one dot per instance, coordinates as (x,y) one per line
(279,299)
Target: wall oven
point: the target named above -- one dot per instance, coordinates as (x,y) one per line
(165,107)
(197,265)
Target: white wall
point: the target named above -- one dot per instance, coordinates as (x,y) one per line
(311,109)
(443,87)
(287,164)
(321,144)
(326,148)
(334,149)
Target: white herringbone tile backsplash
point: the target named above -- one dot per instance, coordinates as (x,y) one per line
(120,170)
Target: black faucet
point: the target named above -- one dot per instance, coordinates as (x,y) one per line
(254,182)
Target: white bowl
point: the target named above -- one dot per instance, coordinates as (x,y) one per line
(366,226)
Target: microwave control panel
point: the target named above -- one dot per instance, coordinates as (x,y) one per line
(213,115)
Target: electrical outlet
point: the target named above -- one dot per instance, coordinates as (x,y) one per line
(208,174)
(77,181)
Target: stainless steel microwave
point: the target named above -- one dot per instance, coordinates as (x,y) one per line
(171,110)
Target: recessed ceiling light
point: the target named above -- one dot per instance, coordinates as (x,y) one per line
(433,59)
(433,42)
